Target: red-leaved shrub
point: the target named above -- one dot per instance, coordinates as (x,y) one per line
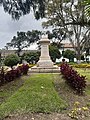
(13,74)
(2,79)
(24,69)
(71,76)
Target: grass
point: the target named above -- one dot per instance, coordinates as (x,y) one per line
(84,72)
(87,74)
(10,88)
(36,95)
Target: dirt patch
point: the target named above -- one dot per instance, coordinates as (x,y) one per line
(40,116)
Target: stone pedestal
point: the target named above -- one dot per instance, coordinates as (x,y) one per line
(45,63)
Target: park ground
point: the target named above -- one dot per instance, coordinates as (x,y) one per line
(57,98)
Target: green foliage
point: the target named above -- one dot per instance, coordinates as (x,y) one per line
(36,95)
(69,54)
(18,42)
(23,40)
(56,34)
(54,52)
(31,57)
(18,8)
(69,20)
(11,60)
(87,9)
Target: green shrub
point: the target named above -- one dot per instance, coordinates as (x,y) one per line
(31,57)
(70,55)
(11,60)
(54,53)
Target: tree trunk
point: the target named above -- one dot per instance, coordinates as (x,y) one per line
(78,55)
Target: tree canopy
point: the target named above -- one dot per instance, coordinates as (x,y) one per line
(69,54)
(23,40)
(68,16)
(18,8)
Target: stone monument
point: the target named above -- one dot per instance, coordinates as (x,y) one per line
(45,63)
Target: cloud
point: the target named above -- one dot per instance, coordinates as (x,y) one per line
(9,27)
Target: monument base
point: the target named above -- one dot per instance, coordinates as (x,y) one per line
(45,63)
(54,69)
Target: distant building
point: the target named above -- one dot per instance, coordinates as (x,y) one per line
(66,46)
(4,52)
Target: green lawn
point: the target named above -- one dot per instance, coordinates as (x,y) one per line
(87,74)
(84,72)
(36,95)
(10,88)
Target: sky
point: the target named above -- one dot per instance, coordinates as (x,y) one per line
(9,27)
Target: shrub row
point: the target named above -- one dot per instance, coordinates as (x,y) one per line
(71,76)
(13,73)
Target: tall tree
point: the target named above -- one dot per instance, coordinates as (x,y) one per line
(56,35)
(23,40)
(33,36)
(68,15)
(18,8)
(19,42)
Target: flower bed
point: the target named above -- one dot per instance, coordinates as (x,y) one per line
(82,66)
(7,76)
(71,76)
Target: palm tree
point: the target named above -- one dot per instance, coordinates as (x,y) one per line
(87,11)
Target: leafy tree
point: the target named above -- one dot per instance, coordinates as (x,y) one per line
(23,40)
(54,52)
(19,42)
(31,57)
(11,60)
(69,54)
(68,16)
(56,34)
(18,8)
(33,36)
